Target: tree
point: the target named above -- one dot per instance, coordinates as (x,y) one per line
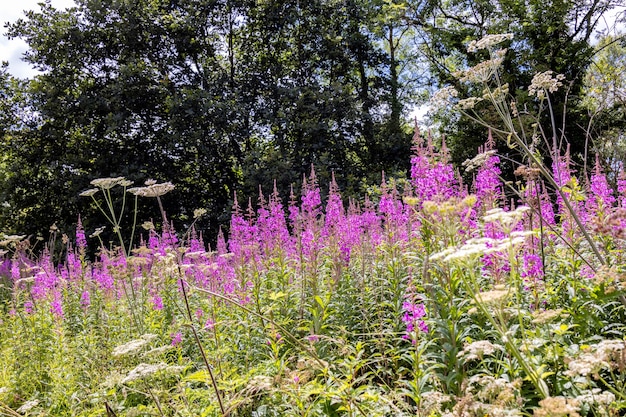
(605,100)
(211,95)
(321,82)
(130,88)
(548,35)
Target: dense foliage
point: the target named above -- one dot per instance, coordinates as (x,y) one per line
(205,94)
(218,96)
(548,36)
(436,302)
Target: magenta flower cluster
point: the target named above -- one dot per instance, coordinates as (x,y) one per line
(306,234)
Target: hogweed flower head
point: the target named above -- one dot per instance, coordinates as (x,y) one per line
(90,192)
(487,42)
(443,97)
(543,83)
(197,213)
(468,103)
(110,182)
(498,94)
(152,190)
(98,231)
(483,71)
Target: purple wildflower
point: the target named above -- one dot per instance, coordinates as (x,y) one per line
(157,302)
(412,318)
(56,306)
(29,307)
(601,195)
(81,241)
(487,184)
(177,338)
(85,300)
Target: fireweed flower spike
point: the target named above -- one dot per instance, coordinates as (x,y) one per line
(413,320)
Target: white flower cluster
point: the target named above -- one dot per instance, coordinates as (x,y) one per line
(157,351)
(585,365)
(601,399)
(483,71)
(477,350)
(152,189)
(488,42)
(107,183)
(468,103)
(27,406)
(443,97)
(197,213)
(608,354)
(11,240)
(482,246)
(89,193)
(543,83)
(134,346)
(259,383)
(493,297)
(507,219)
(478,161)
(557,406)
(432,402)
(144,370)
(546,316)
(497,94)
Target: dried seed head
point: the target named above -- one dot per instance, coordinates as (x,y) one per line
(543,83)
(108,183)
(488,42)
(153,190)
(197,213)
(90,192)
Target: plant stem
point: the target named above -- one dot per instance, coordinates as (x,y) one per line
(195,335)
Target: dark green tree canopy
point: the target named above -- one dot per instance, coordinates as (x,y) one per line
(200,93)
(223,95)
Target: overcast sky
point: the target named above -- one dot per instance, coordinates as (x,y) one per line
(12,50)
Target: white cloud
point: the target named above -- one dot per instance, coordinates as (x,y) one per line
(12,50)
